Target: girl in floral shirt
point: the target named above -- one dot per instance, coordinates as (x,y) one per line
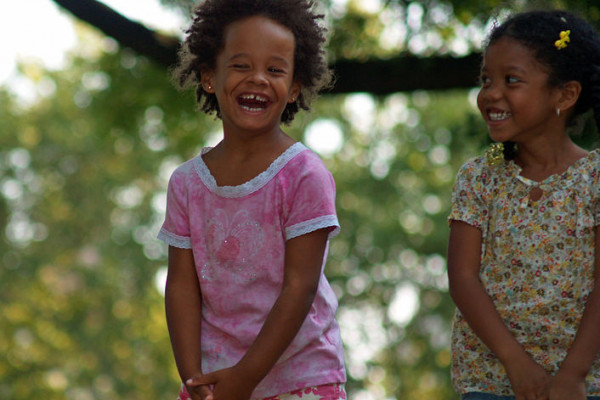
(249,310)
(525,220)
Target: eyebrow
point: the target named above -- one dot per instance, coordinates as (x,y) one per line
(510,68)
(242,55)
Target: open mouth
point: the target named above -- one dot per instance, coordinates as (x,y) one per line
(253,102)
(499,115)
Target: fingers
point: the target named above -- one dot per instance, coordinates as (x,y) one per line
(208,379)
(201,393)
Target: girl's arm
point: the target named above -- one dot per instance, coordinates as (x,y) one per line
(569,382)
(183,305)
(303,261)
(528,379)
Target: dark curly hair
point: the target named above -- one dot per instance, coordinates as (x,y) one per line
(205,40)
(580,61)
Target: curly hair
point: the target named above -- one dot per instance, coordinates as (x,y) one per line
(579,61)
(205,40)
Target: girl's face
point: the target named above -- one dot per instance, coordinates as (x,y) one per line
(515,99)
(253,78)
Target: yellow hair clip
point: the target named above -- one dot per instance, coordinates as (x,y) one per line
(564,39)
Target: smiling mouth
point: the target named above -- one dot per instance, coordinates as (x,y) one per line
(499,116)
(253,102)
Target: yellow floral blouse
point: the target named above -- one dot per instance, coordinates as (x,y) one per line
(537,264)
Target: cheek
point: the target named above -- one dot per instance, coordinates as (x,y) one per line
(480,102)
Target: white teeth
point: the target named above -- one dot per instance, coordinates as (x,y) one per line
(253,97)
(499,116)
(251,108)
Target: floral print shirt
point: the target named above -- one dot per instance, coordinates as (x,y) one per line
(238,236)
(537,264)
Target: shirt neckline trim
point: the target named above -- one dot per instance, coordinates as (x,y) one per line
(574,167)
(253,184)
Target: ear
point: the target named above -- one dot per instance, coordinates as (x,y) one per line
(294,92)
(569,94)
(207,79)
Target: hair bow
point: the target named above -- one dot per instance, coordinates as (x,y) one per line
(564,39)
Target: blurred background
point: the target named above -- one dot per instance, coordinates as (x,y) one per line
(91,129)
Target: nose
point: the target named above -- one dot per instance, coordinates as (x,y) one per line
(258,77)
(491,91)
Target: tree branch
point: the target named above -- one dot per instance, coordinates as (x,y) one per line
(157,47)
(376,76)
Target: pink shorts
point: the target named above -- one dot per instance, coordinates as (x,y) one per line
(330,391)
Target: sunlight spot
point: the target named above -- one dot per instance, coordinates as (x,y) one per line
(11,189)
(160,280)
(128,197)
(359,109)
(411,222)
(324,136)
(439,155)
(364,335)
(154,114)
(432,204)
(370,6)
(19,229)
(358,284)
(473,97)
(46,87)
(408,258)
(56,380)
(404,304)
(159,202)
(415,16)
(95,81)
(213,138)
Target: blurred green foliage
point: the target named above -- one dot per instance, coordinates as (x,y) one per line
(83,174)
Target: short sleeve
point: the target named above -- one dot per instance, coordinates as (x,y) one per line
(311,200)
(468,195)
(594,173)
(175,230)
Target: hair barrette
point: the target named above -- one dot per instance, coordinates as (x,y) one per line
(564,39)
(495,154)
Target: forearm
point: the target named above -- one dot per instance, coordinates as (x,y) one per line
(303,260)
(183,306)
(471,298)
(586,346)
(183,320)
(479,311)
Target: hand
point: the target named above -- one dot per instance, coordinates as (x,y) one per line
(228,384)
(565,386)
(528,379)
(199,392)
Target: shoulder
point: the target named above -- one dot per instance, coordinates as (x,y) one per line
(185,169)
(183,175)
(589,170)
(477,169)
(593,163)
(302,164)
(306,161)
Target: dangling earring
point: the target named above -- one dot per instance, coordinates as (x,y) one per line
(558,112)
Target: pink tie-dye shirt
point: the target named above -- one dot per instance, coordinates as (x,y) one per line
(238,235)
